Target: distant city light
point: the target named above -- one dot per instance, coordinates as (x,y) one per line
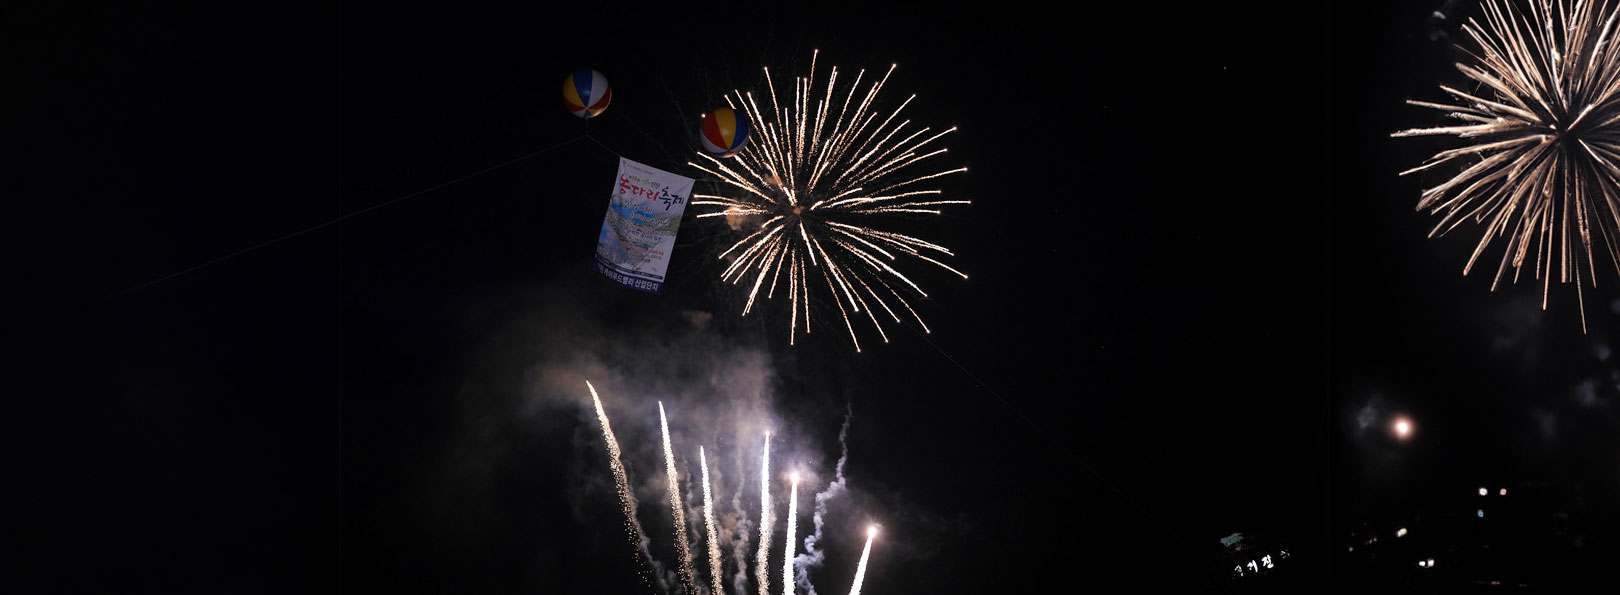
(1401,532)
(1431,562)
(1422,564)
(1480,513)
(1352,548)
(1502,492)
(1483,491)
(1403,428)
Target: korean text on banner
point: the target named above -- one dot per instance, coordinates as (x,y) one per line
(638,233)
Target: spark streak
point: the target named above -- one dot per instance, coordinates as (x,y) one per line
(1541,166)
(787,546)
(627,501)
(860,569)
(682,548)
(822,180)
(708,525)
(762,562)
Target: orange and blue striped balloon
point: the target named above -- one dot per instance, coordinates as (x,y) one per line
(724,132)
(586,93)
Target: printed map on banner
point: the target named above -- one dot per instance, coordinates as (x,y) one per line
(639,231)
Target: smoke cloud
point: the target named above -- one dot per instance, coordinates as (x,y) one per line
(718,392)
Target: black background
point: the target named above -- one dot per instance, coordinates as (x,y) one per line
(1191,266)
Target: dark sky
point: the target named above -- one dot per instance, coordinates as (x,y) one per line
(1192,270)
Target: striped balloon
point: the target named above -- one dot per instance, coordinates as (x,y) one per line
(586,93)
(724,132)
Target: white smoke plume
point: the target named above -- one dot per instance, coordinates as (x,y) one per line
(813,556)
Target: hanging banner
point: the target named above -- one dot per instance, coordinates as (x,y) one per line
(639,232)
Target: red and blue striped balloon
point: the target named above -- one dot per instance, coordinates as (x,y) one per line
(724,132)
(586,93)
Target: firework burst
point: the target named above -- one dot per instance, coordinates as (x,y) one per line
(1542,134)
(823,171)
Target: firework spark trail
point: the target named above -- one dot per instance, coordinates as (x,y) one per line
(1542,129)
(627,500)
(819,177)
(682,549)
(762,571)
(708,524)
(787,544)
(860,569)
(813,557)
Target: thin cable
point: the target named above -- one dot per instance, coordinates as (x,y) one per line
(334,221)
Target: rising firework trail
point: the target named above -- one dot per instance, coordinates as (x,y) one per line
(1542,134)
(860,569)
(787,545)
(708,525)
(762,571)
(627,501)
(682,549)
(823,173)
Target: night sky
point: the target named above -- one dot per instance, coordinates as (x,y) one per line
(1198,297)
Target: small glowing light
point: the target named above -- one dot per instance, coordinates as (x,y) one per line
(1422,564)
(871,531)
(1480,513)
(1403,428)
(1483,491)
(1431,562)
(794,477)
(1503,492)
(1352,548)
(1401,532)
